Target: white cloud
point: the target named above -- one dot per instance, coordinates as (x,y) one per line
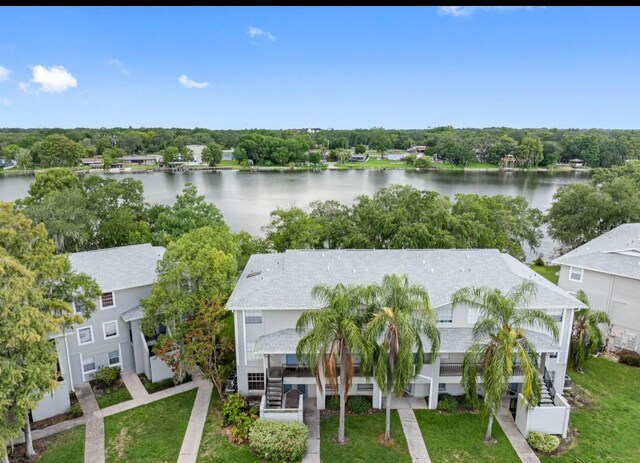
(468,10)
(257,32)
(6,102)
(188,83)
(119,65)
(4,74)
(55,79)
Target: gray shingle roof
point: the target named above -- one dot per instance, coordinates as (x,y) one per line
(119,268)
(284,280)
(598,253)
(452,340)
(133,314)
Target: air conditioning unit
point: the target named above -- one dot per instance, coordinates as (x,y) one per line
(567,382)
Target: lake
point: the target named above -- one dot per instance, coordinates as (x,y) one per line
(246,198)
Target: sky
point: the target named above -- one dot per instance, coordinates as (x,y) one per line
(325,67)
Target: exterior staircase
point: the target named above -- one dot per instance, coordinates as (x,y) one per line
(548,392)
(274,392)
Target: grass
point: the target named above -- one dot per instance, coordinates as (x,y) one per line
(151,432)
(113,398)
(67,446)
(215,447)
(362,432)
(232,163)
(607,429)
(547,271)
(458,437)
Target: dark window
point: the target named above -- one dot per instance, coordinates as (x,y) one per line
(256,381)
(107,300)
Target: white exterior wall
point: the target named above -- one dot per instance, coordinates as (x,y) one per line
(53,403)
(547,419)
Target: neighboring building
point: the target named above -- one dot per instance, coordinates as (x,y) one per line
(112,336)
(275,289)
(227,155)
(358,158)
(7,163)
(141,160)
(197,153)
(417,149)
(92,162)
(607,269)
(395,155)
(576,162)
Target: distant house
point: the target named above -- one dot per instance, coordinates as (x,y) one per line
(607,269)
(396,155)
(197,153)
(576,162)
(7,163)
(92,162)
(358,158)
(140,160)
(417,149)
(313,130)
(227,155)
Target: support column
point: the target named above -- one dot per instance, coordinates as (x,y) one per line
(377,396)
(433,395)
(320,393)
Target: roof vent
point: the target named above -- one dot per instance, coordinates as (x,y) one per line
(252,274)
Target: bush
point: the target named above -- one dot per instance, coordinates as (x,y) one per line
(545,443)
(447,403)
(232,407)
(423,162)
(358,404)
(107,375)
(333,402)
(278,441)
(75,410)
(468,404)
(410,159)
(629,357)
(539,261)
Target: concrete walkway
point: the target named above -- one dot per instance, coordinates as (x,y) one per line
(415,441)
(518,442)
(134,385)
(312,420)
(51,430)
(94,432)
(193,435)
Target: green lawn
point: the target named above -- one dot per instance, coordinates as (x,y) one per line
(115,397)
(150,433)
(607,430)
(67,446)
(232,163)
(362,431)
(458,437)
(215,447)
(481,165)
(547,271)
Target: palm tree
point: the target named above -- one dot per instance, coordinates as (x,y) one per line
(499,340)
(586,337)
(401,313)
(335,334)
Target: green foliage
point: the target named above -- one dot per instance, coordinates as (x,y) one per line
(542,442)
(586,337)
(107,375)
(159,385)
(469,403)
(360,149)
(454,150)
(539,261)
(75,410)
(530,151)
(237,415)
(410,159)
(212,154)
(277,441)
(52,180)
(447,403)
(293,229)
(189,212)
(583,211)
(359,404)
(57,150)
(629,357)
(333,402)
(265,148)
(423,162)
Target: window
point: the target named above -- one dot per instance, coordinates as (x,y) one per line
(88,364)
(473,315)
(79,307)
(107,300)
(442,387)
(110,329)
(256,381)
(553,355)
(85,335)
(114,358)
(251,355)
(252,317)
(364,387)
(426,358)
(575,274)
(556,315)
(445,314)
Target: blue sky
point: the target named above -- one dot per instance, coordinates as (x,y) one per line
(340,67)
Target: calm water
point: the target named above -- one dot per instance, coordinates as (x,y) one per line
(247,198)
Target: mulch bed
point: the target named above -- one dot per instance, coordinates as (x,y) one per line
(57,418)
(17,456)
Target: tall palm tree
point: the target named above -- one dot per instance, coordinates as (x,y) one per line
(499,340)
(586,337)
(401,313)
(334,335)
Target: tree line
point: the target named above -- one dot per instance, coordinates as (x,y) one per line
(530,147)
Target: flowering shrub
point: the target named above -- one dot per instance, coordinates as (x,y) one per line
(278,441)
(545,443)
(236,414)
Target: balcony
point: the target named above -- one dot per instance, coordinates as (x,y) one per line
(294,370)
(455,369)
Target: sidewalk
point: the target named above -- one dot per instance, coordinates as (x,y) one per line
(94,432)
(193,434)
(134,385)
(518,442)
(312,420)
(413,434)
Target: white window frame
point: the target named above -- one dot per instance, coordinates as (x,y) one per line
(571,274)
(80,343)
(104,330)
(113,298)
(249,381)
(249,352)
(85,373)
(441,319)
(442,387)
(251,317)
(119,364)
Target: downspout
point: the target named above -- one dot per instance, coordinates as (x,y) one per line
(66,347)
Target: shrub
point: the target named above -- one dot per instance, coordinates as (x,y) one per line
(107,375)
(539,261)
(468,404)
(75,410)
(278,441)
(545,443)
(358,404)
(232,407)
(630,357)
(333,402)
(423,162)
(410,159)
(242,425)
(447,403)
